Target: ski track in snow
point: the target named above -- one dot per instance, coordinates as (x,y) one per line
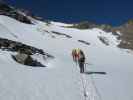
(89,90)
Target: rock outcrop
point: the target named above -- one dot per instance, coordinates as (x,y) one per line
(14,13)
(24,52)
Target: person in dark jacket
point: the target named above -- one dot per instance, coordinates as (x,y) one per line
(81,61)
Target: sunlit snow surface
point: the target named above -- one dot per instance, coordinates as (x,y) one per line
(61,80)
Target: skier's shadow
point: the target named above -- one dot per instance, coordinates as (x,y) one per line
(92,72)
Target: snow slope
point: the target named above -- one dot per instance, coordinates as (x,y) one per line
(61,80)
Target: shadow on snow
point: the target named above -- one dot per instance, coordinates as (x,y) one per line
(91,73)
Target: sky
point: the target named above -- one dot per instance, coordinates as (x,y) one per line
(114,12)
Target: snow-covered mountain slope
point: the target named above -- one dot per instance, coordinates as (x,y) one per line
(61,79)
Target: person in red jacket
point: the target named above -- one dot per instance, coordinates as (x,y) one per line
(75,55)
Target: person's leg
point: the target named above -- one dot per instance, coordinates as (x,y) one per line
(80,64)
(82,67)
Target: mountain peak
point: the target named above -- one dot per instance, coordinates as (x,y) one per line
(10,11)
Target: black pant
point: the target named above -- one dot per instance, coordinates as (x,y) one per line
(81,66)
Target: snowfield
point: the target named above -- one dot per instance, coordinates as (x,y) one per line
(61,80)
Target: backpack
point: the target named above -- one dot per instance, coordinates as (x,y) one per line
(81,56)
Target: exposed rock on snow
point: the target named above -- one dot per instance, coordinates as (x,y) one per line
(27,60)
(24,52)
(62,34)
(104,40)
(84,42)
(10,45)
(21,58)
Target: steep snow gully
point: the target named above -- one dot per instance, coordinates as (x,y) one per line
(108,68)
